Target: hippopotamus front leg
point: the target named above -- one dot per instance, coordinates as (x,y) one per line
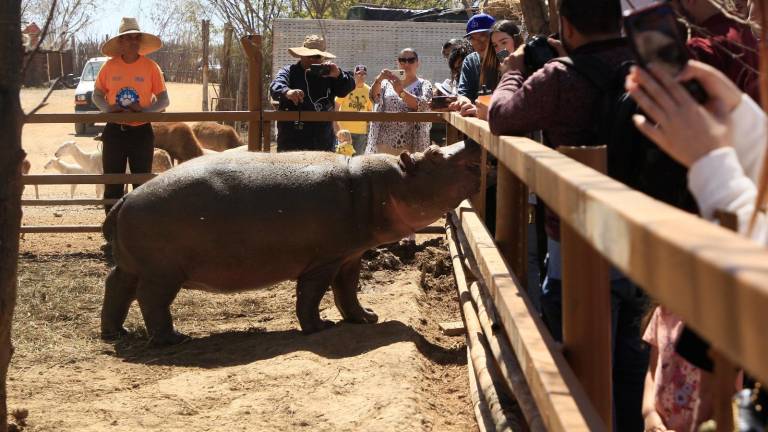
(310,289)
(155,297)
(119,293)
(345,293)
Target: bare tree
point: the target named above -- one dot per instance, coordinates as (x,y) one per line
(68,17)
(11,157)
(535,16)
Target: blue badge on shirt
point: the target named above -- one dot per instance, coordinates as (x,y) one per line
(126,96)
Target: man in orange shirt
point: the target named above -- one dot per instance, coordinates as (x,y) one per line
(129,82)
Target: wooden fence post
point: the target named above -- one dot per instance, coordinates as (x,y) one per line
(512,222)
(478,199)
(586,303)
(252,47)
(206,32)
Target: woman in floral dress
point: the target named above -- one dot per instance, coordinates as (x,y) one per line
(390,94)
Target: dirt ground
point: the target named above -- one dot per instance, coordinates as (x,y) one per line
(248,368)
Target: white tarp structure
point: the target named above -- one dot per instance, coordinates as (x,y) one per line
(375,44)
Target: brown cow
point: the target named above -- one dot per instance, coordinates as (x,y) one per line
(177,139)
(214,136)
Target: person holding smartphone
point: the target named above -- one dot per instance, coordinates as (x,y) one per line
(311,84)
(505,38)
(400,90)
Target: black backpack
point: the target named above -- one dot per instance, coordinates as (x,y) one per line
(633,159)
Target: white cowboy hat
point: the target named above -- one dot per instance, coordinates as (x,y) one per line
(313,45)
(149,42)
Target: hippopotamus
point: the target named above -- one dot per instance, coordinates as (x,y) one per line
(231,222)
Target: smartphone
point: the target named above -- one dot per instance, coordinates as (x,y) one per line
(320,69)
(440,102)
(501,55)
(399,73)
(655,38)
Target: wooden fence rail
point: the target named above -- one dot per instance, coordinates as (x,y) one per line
(715,280)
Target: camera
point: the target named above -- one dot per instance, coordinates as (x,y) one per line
(441,102)
(538,51)
(320,69)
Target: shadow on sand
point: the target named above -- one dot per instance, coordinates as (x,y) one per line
(243,347)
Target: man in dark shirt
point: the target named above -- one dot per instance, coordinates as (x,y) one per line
(297,88)
(722,42)
(563,103)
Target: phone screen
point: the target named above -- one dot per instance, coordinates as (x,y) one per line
(655,38)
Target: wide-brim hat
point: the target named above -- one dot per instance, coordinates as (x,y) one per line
(149,42)
(313,45)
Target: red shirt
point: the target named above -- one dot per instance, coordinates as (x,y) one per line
(731,48)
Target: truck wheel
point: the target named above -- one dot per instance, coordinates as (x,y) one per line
(80,128)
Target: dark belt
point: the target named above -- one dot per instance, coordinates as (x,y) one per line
(126,128)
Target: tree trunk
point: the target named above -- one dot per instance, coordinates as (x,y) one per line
(11,157)
(535,16)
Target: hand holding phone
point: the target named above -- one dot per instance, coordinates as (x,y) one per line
(399,73)
(501,55)
(655,38)
(320,69)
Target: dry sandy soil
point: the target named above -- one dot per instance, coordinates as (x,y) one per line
(248,368)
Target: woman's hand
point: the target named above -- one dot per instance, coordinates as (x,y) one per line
(718,86)
(673,120)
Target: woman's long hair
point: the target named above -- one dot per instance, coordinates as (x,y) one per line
(489,72)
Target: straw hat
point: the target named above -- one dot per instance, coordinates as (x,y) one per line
(313,45)
(149,42)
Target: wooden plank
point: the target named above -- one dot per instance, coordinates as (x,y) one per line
(560,398)
(67,202)
(59,229)
(479,199)
(586,302)
(266,136)
(309,116)
(453,328)
(145,117)
(252,47)
(67,179)
(701,272)
(512,222)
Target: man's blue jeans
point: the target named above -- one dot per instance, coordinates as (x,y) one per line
(630,354)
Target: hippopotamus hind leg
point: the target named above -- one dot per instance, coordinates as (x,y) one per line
(119,293)
(155,297)
(310,289)
(345,294)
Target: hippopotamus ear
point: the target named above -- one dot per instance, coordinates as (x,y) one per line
(406,162)
(433,152)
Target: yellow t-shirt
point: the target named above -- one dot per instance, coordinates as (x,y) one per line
(357,100)
(124,83)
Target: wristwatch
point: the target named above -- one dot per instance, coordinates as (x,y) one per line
(402,95)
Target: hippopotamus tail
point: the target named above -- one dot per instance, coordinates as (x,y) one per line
(109,228)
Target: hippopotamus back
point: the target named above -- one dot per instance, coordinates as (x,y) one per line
(238,221)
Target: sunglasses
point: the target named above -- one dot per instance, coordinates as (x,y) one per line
(409,60)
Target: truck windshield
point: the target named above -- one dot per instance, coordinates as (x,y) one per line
(91,71)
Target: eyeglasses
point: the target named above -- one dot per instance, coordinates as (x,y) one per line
(409,60)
